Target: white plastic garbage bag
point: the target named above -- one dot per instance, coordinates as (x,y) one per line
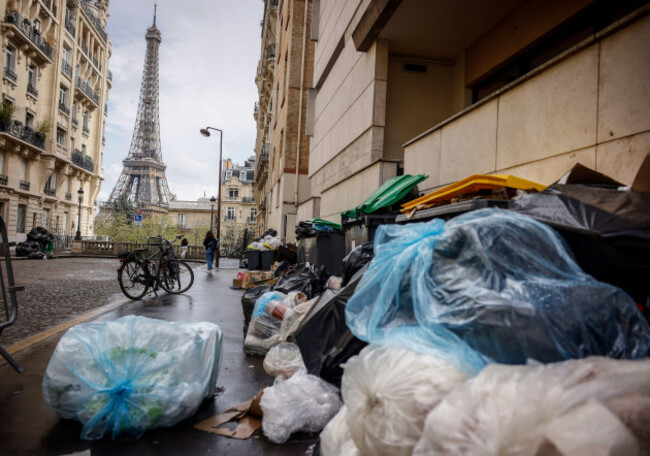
(389,392)
(125,376)
(283,360)
(301,403)
(574,407)
(293,317)
(335,440)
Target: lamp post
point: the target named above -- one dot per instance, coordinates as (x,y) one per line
(212,200)
(206,132)
(80,194)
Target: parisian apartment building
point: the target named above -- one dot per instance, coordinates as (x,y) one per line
(55,86)
(451,89)
(237,197)
(284,78)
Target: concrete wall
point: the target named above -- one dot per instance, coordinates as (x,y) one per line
(589,107)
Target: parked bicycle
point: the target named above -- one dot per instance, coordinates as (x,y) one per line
(140,274)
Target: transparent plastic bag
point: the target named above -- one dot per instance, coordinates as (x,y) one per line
(283,360)
(490,286)
(523,410)
(301,403)
(389,392)
(263,302)
(335,440)
(125,376)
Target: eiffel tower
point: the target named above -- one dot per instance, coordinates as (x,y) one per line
(143,176)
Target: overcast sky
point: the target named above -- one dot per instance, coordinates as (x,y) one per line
(208,60)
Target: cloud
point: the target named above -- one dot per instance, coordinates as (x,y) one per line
(208,61)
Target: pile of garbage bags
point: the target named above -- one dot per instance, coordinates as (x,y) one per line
(267,242)
(309,228)
(35,246)
(588,406)
(123,377)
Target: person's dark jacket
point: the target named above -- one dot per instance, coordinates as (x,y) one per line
(184,242)
(210,242)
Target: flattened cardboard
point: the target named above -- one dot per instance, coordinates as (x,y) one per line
(247,414)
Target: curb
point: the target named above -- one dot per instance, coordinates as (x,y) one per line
(31,343)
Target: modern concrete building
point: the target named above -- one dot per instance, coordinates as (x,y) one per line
(54,91)
(237,200)
(282,149)
(524,87)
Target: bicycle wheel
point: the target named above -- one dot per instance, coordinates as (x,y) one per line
(176,276)
(132,279)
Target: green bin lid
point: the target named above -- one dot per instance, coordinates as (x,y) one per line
(391,192)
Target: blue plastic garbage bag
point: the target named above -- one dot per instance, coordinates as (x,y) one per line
(125,376)
(490,286)
(264,300)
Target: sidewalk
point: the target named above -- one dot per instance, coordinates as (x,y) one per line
(30,427)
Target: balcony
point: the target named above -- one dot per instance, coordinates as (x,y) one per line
(64,109)
(75,122)
(68,196)
(248,199)
(69,26)
(270,51)
(9,74)
(85,130)
(85,89)
(3,179)
(109,75)
(83,161)
(25,134)
(49,191)
(94,21)
(105,108)
(32,90)
(66,68)
(29,34)
(24,185)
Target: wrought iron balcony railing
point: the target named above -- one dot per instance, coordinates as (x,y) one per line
(24,185)
(3,179)
(109,74)
(248,199)
(75,122)
(83,161)
(93,20)
(264,157)
(85,88)
(270,51)
(49,191)
(17,130)
(68,196)
(64,109)
(86,130)
(32,90)
(26,27)
(9,74)
(66,68)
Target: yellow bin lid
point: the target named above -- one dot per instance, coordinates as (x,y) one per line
(472,184)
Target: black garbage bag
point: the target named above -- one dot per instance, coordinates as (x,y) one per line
(41,230)
(323,337)
(305,229)
(282,268)
(248,301)
(270,232)
(306,278)
(608,230)
(22,250)
(355,260)
(36,255)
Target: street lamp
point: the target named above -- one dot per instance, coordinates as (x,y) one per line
(206,132)
(212,200)
(80,194)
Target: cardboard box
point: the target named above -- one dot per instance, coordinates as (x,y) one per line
(255,278)
(237,283)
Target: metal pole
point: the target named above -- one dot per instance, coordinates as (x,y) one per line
(211,215)
(219,202)
(78,234)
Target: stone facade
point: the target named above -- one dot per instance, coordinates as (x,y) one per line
(190,215)
(237,198)
(56,79)
(285,75)
(513,86)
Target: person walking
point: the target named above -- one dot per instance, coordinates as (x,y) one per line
(184,246)
(211,245)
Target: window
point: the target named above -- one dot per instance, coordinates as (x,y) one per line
(29,120)
(50,183)
(65,222)
(2,162)
(63,96)
(32,75)
(85,120)
(230,213)
(253,213)
(10,58)
(182,220)
(233,193)
(60,136)
(21,217)
(45,217)
(23,169)
(74,112)
(65,55)
(37,26)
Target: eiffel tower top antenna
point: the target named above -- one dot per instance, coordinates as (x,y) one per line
(155,8)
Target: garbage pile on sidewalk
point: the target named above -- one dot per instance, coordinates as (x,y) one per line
(38,245)
(482,334)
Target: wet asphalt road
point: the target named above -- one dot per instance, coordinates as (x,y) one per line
(30,427)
